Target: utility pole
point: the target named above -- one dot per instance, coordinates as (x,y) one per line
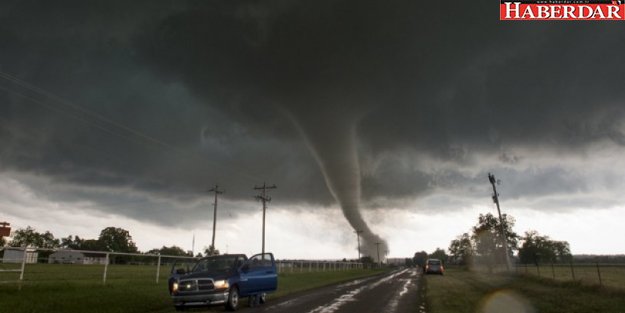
(379,261)
(217,192)
(358,232)
(493,182)
(264,198)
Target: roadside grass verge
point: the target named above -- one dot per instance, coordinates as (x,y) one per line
(461,291)
(59,291)
(612,275)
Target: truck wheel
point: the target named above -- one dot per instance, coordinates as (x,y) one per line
(263,298)
(180,307)
(233,299)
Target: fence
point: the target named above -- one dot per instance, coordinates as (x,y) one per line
(52,265)
(55,265)
(610,275)
(300,266)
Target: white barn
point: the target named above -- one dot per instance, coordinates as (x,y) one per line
(76,257)
(16,255)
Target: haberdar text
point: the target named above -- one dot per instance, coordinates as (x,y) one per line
(540,11)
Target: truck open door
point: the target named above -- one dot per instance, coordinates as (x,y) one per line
(258,275)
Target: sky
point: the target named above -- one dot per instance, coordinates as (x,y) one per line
(379,117)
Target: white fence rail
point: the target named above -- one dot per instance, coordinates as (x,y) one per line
(53,265)
(95,261)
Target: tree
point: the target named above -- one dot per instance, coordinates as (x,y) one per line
(488,240)
(439,254)
(462,250)
(420,258)
(91,245)
(29,237)
(563,251)
(537,249)
(117,240)
(211,251)
(71,242)
(366,260)
(3,241)
(173,250)
(408,262)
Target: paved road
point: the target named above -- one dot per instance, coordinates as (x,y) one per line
(395,292)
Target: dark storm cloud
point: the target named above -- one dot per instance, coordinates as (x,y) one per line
(86,53)
(232,87)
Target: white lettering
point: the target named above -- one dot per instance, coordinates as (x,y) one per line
(516,9)
(613,12)
(528,12)
(598,12)
(555,11)
(568,12)
(581,11)
(543,11)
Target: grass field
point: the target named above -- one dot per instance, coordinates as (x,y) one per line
(129,288)
(461,291)
(612,275)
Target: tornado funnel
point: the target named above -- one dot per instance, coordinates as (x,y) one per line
(331,136)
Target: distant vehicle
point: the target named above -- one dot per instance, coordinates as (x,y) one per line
(223,279)
(434,266)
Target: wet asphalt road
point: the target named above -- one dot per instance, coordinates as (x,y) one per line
(394,292)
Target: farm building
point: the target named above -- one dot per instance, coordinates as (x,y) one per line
(16,255)
(76,257)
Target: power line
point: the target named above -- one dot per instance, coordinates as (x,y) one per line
(82,110)
(264,198)
(97,120)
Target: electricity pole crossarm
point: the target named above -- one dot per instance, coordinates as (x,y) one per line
(217,192)
(264,198)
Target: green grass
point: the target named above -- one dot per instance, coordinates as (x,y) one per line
(612,276)
(43,273)
(462,291)
(129,288)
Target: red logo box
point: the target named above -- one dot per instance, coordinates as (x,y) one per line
(565,10)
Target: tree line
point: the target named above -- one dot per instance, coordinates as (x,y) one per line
(111,239)
(484,245)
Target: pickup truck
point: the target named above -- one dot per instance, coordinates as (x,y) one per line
(223,279)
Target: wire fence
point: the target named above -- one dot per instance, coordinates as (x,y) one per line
(300,266)
(61,265)
(602,274)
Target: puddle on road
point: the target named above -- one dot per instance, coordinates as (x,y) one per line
(338,302)
(422,309)
(350,296)
(408,283)
(352,283)
(404,290)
